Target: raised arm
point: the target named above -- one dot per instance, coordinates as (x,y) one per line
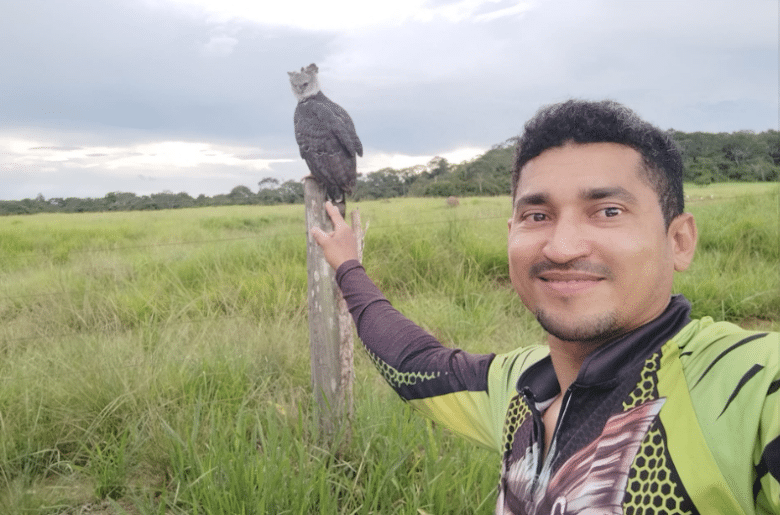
(447,385)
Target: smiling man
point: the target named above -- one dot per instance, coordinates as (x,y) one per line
(632,407)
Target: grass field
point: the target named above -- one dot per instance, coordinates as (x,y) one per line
(157,362)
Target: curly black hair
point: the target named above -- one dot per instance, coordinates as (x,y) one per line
(606,121)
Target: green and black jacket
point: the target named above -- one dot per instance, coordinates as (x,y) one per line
(678,416)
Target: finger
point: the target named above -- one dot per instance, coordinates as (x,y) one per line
(334,214)
(318,234)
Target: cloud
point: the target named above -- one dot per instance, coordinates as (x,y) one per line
(55,148)
(349,15)
(504,10)
(195,92)
(220,46)
(377,160)
(182,157)
(29,164)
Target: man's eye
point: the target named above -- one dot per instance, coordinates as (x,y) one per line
(609,212)
(537,217)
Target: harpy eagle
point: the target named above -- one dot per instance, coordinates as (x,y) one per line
(326,137)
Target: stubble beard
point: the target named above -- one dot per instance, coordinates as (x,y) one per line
(596,329)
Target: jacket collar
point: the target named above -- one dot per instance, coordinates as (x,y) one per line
(606,366)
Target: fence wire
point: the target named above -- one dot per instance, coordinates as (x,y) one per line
(301,235)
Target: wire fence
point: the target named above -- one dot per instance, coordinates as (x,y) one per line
(202,242)
(199,242)
(92,250)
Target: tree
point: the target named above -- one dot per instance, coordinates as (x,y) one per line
(741,146)
(268,182)
(183,199)
(407,176)
(384,183)
(771,139)
(269,196)
(291,192)
(241,195)
(440,189)
(437,166)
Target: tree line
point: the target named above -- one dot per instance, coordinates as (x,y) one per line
(708,158)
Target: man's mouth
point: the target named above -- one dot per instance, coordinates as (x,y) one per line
(561,276)
(569,282)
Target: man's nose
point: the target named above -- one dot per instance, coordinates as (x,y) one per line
(568,241)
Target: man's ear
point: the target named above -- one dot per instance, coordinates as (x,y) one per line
(683,236)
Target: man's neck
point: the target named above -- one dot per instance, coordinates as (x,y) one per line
(568,357)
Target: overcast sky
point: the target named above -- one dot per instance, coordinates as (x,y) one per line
(193,95)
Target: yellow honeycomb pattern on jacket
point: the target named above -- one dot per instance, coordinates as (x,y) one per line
(645,389)
(397,378)
(516,413)
(651,464)
(650,469)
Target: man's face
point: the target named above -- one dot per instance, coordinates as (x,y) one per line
(589,254)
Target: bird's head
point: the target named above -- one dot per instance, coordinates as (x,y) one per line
(304,83)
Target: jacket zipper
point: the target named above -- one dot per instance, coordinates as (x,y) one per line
(564,407)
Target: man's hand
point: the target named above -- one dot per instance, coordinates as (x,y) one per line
(340,245)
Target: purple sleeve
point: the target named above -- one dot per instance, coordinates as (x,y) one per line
(414,363)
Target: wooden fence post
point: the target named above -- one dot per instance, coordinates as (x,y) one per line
(330,329)
(346,341)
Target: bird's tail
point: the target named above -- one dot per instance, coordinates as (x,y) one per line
(342,205)
(338,197)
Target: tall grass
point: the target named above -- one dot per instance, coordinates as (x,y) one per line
(158,362)
(735,275)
